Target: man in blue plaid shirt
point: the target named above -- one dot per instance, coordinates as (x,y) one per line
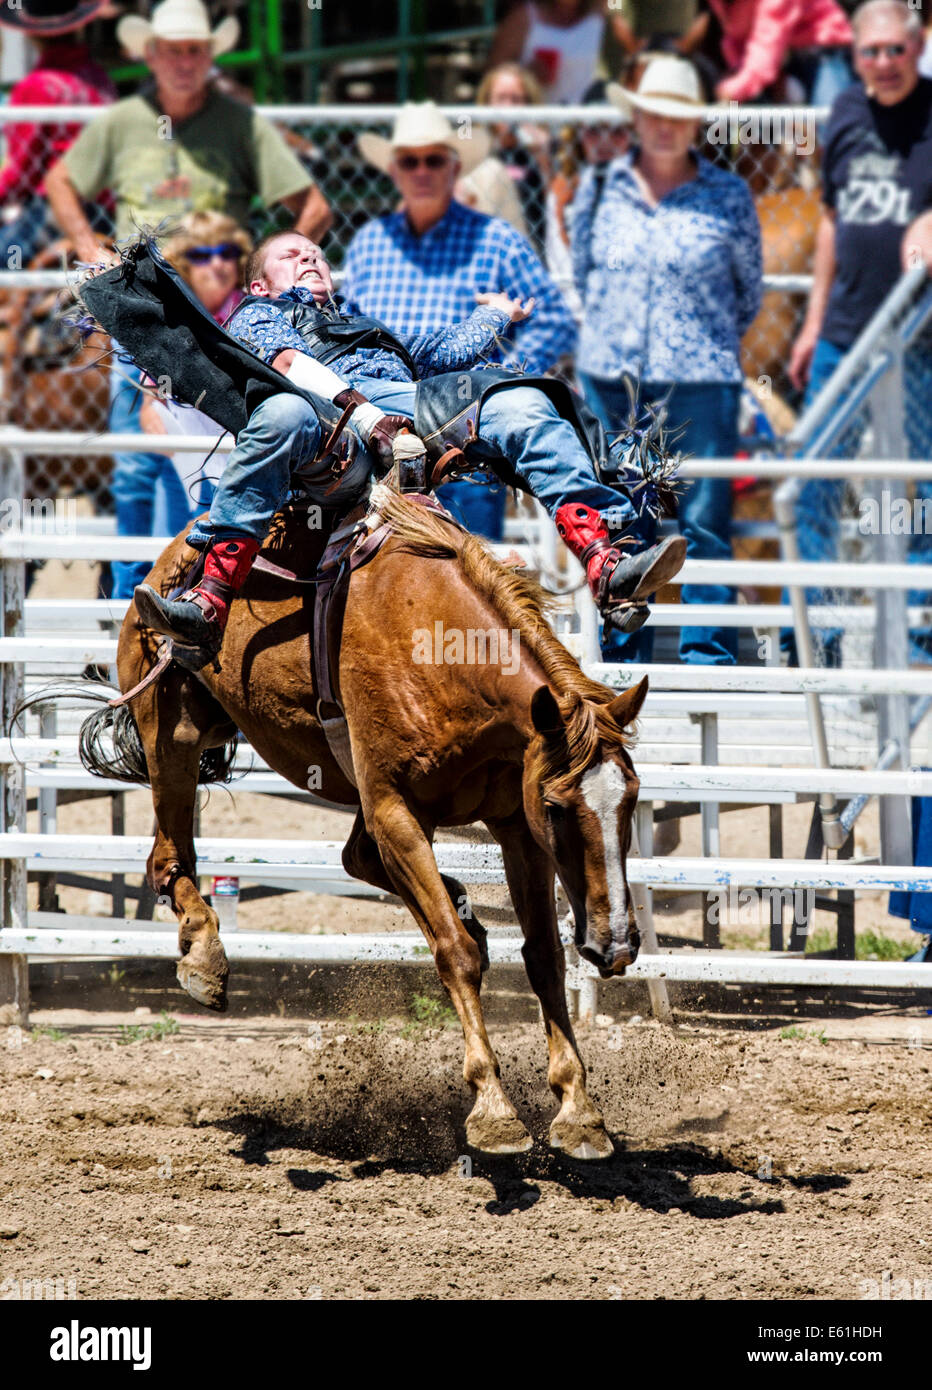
(420,269)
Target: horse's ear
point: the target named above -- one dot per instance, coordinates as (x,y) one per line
(545,712)
(626,707)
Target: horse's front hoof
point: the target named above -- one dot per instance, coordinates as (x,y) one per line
(204,972)
(586,1142)
(498,1134)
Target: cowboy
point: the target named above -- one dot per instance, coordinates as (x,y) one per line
(534,432)
(419,268)
(179,145)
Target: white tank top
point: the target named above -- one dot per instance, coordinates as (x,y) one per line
(577,54)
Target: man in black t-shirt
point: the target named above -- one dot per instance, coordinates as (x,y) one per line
(877,186)
(876,220)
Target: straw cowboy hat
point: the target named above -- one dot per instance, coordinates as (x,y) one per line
(668,87)
(48,18)
(418,124)
(177,20)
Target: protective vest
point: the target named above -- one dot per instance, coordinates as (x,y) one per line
(329,335)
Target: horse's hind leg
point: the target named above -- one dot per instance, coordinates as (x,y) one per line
(361,858)
(578,1129)
(177,719)
(405,852)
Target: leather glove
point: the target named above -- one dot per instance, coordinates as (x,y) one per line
(376,429)
(382,436)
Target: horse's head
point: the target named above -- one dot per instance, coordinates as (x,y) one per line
(580,790)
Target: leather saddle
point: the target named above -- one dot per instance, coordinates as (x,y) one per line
(356,538)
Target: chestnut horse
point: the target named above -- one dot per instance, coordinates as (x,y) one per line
(525,743)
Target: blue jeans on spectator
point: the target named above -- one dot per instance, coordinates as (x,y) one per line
(283,432)
(708,415)
(820,499)
(34,228)
(134,479)
(823,74)
(478,503)
(26,235)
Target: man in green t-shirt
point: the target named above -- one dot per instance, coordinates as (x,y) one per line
(178,146)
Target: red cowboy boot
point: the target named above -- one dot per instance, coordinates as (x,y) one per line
(199,616)
(620,584)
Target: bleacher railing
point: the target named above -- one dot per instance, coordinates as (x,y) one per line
(863,407)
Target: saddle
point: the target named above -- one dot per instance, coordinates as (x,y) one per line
(357,538)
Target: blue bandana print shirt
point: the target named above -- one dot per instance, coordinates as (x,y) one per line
(266,331)
(668,291)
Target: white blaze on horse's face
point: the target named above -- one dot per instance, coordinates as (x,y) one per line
(603,790)
(607,793)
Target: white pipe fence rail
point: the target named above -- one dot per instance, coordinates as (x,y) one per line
(706,691)
(78,444)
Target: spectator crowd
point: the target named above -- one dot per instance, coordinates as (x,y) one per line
(637,258)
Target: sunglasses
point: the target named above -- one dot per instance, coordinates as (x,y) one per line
(410,162)
(227,251)
(882,50)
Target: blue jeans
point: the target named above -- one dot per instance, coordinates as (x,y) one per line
(708,416)
(35,228)
(820,500)
(823,74)
(283,432)
(26,235)
(523,424)
(135,479)
(478,503)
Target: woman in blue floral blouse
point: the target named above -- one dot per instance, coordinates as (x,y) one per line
(667,260)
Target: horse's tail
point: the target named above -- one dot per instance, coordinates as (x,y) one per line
(108,742)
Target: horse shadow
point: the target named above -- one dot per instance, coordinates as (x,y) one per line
(658,1178)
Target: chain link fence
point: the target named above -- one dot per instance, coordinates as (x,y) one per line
(49,382)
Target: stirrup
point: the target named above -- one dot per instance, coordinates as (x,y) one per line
(625,617)
(195,658)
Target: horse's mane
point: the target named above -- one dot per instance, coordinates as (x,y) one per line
(522,604)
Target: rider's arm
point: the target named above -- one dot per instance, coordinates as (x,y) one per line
(305,371)
(460,346)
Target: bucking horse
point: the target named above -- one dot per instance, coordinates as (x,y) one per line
(417,730)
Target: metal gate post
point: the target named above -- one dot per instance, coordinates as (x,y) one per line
(891,649)
(14,969)
(642,842)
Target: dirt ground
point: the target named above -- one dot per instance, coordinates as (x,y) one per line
(311,1144)
(255,1159)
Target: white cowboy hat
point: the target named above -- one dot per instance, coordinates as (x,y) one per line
(418,124)
(668,87)
(49,18)
(177,20)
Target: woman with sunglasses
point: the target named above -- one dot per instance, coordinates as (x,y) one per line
(209,250)
(762,39)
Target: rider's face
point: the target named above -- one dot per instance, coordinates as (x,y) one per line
(293,261)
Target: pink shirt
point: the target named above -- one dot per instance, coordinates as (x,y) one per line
(67,76)
(758,35)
